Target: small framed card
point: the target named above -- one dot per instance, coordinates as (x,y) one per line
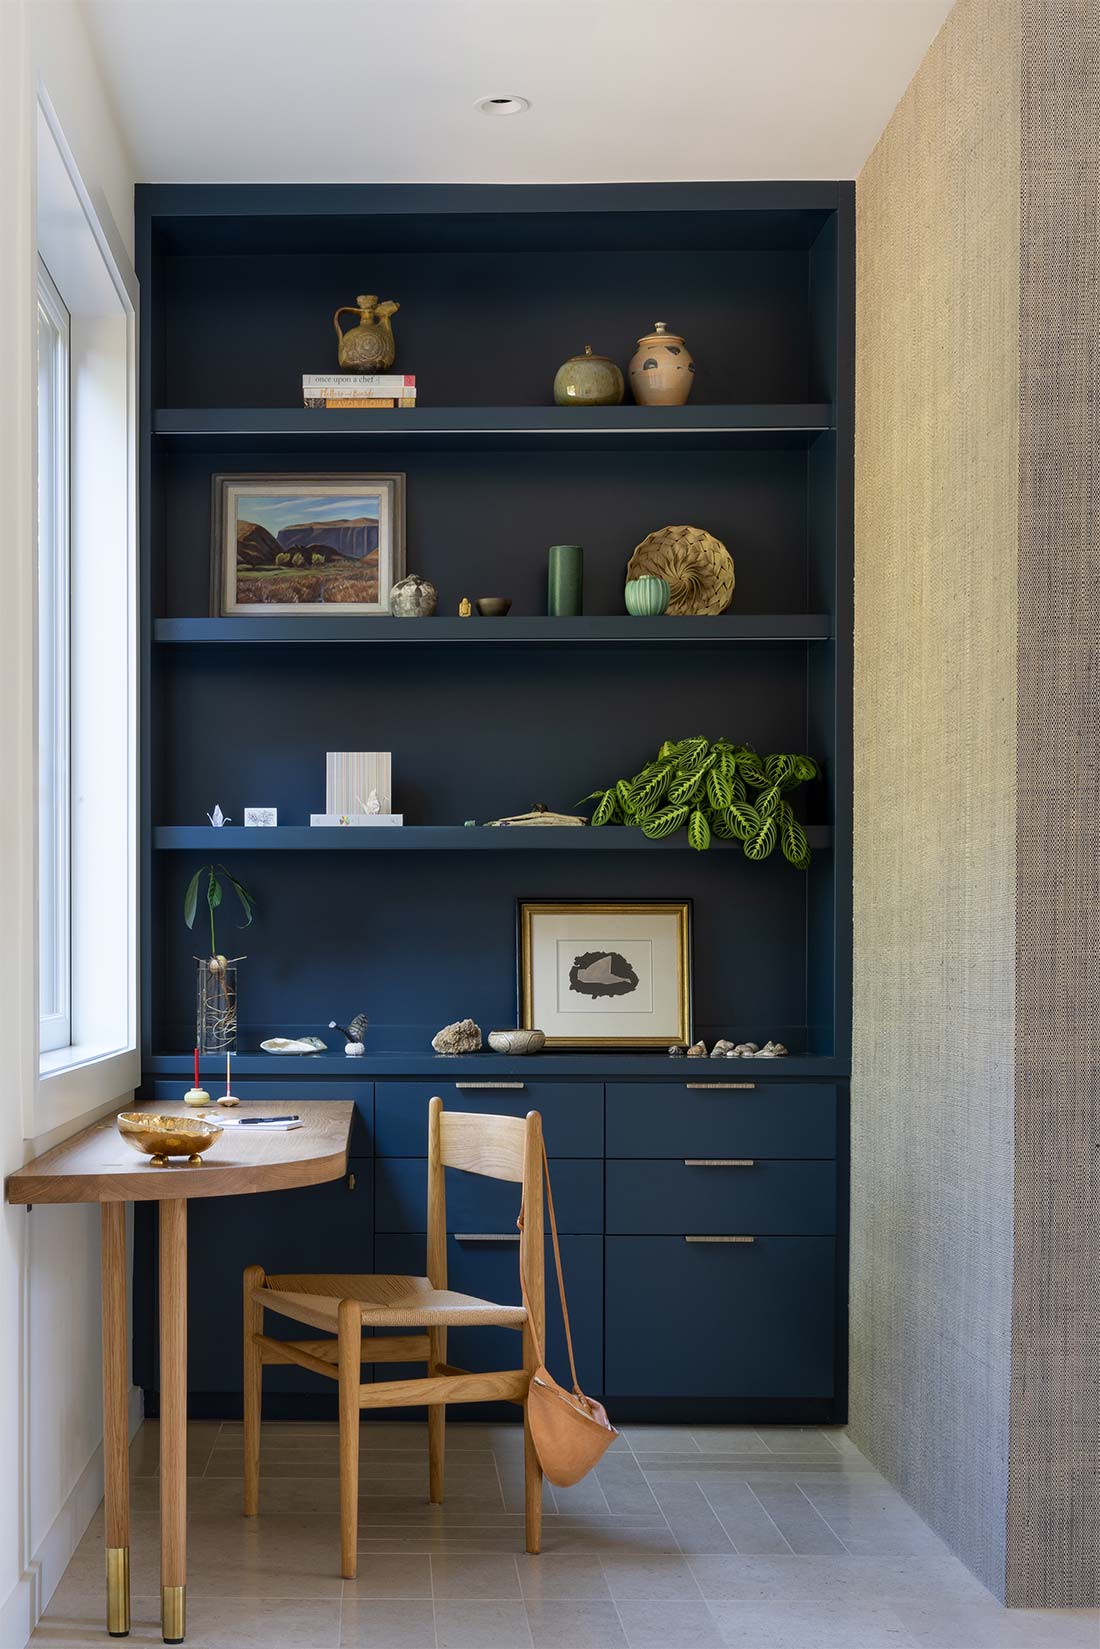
(606,975)
(268,817)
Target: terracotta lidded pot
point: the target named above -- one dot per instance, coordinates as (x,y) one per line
(662,371)
(588,381)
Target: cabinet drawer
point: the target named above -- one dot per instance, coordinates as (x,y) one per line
(714,1195)
(491,1271)
(720,1319)
(475,1203)
(314,1228)
(572,1112)
(713,1115)
(293,1094)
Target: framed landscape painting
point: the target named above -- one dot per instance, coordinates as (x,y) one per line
(323,545)
(600,975)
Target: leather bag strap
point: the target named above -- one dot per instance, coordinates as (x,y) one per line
(540,1350)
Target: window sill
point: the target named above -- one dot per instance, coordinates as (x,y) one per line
(74,1081)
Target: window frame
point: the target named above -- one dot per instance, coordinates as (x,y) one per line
(53,592)
(93,272)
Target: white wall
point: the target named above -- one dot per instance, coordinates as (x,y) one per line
(50,1425)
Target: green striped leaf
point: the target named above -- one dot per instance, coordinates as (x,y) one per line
(719,789)
(664,823)
(792,839)
(690,752)
(607,809)
(760,845)
(744,820)
(685,790)
(750,767)
(806,767)
(779,768)
(698,831)
(768,800)
(722,827)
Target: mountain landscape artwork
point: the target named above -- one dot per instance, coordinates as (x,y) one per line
(326,545)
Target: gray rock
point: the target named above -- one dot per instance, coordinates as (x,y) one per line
(698,1050)
(463,1037)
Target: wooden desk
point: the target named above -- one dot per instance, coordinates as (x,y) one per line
(97,1165)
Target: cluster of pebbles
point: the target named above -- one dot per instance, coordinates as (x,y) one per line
(724,1049)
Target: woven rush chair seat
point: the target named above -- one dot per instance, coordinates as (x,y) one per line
(384,1302)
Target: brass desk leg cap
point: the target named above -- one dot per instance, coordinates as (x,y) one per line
(194,1161)
(118,1591)
(173,1613)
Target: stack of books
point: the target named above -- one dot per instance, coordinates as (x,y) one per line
(359,389)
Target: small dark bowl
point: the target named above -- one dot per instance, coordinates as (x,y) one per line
(494,606)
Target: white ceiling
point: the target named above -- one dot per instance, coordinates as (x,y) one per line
(383,90)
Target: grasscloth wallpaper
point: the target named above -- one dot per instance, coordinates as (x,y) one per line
(975,1171)
(1054,1476)
(938,231)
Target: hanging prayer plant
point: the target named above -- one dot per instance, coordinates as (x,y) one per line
(718,789)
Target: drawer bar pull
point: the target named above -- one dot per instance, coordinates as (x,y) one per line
(719,1239)
(486,1236)
(719,1162)
(746,1085)
(474,1085)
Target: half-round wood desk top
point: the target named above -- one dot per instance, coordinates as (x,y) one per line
(97,1165)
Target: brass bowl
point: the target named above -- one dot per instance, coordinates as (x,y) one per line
(160,1137)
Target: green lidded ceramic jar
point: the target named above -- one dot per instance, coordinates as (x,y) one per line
(588,381)
(648,596)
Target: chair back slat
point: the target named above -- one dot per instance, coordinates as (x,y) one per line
(489,1145)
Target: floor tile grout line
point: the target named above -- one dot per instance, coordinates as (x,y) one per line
(721,1524)
(817,1513)
(771,1520)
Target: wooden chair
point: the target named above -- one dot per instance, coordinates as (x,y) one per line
(504,1148)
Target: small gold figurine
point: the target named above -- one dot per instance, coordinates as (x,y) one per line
(464,608)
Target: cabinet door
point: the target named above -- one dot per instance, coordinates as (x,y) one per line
(717,1115)
(476,1203)
(713,1319)
(712,1195)
(491,1271)
(572,1112)
(314,1228)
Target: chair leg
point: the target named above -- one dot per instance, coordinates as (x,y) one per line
(253,1317)
(532,1471)
(350,1330)
(437,1418)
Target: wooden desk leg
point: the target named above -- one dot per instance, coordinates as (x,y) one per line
(173,1420)
(116,1441)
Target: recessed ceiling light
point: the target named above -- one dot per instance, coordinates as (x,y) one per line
(503,105)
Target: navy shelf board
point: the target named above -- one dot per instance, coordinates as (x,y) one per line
(438,839)
(490,1067)
(612,629)
(300,429)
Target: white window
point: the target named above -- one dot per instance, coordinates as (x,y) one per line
(87,628)
(54,803)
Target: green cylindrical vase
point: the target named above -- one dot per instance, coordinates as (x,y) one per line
(565,580)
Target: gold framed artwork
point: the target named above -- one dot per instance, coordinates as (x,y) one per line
(599,974)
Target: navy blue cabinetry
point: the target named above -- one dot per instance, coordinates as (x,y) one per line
(237,287)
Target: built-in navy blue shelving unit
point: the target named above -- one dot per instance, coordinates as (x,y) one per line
(497,285)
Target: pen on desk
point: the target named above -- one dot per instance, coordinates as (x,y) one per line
(257,1122)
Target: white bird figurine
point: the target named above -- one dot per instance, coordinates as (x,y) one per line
(218,818)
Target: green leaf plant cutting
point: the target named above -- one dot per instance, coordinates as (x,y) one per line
(720,789)
(212,875)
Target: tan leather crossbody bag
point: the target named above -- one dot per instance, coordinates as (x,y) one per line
(570,1431)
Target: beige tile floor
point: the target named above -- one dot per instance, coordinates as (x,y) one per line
(718,1538)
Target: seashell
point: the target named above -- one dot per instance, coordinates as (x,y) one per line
(721,1048)
(293,1045)
(735,1053)
(698,1050)
(354,1050)
(676,1051)
(517,1042)
(463,1037)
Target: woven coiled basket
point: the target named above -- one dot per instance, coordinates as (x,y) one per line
(697,567)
